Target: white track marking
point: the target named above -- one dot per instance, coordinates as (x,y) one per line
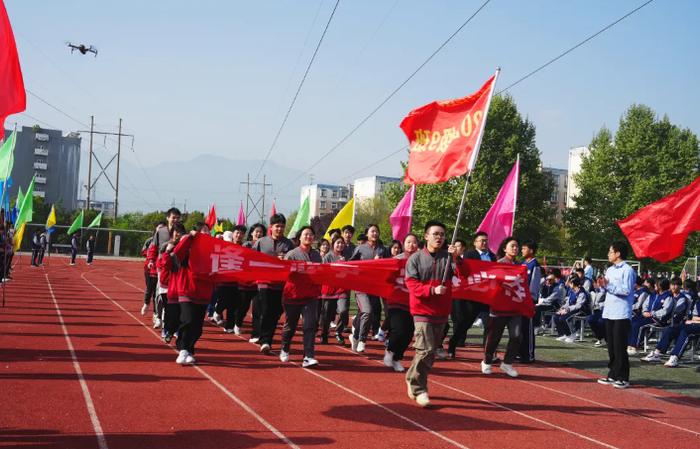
(101,441)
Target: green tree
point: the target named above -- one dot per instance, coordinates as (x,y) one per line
(646,160)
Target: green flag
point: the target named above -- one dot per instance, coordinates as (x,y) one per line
(77,224)
(20,198)
(96,221)
(26,207)
(7,156)
(303,218)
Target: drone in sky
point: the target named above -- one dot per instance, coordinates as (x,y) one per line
(82,48)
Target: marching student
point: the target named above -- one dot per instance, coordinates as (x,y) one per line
(595,319)
(430,305)
(619,287)
(347,232)
(150,274)
(526,354)
(468,311)
(249,291)
(300,299)
(577,302)
(331,296)
(325,246)
(395,248)
(73,248)
(270,293)
(369,306)
(227,294)
(168,294)
(161,236)
(399,317)
(90,247)
(508,251)
(193,294)
(657,310)
(341,324)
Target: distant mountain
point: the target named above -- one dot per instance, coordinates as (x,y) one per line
(195,184)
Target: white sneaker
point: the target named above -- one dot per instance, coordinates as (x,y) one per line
(229,331)
(265,348)
(672,361)
(508,369)
(561,338)
(308,362)
(157,323)
(478,323)
(254,340)
(652,357)
(631,351)
(538,330)
(599,343)
(190,360)
(236,330)
(388,359)
(398,367)
(440,354)
(284,356)
(485,368)
(143,308)
(333,325)
(423,400)
(154,318)
(360,346)
(181,357)
(569,339)
(353,343)
(380,336)
(217,319)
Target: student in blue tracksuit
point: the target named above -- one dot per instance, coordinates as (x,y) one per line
(73,248)
(526,353)
(577,302)
(595,319)
(643,290)
(657,310)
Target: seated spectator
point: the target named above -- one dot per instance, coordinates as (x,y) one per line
(586,283)
(595,319)
(643,289)
(577,302)
(551,297)
(658,311)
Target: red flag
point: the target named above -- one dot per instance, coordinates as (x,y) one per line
(211,217)
(445,136)
(13,99)
(660,229)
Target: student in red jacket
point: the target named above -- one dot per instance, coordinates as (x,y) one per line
(194,296)
(167,287)
(301,298)
(431,303)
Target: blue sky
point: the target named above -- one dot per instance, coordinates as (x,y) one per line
(216,77)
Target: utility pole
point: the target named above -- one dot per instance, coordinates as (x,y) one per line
(89,187)
(251,202)
(119,152)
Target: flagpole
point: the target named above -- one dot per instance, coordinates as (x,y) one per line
(517,188)
(472,165)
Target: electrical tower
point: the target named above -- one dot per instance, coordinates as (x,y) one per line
(255,197)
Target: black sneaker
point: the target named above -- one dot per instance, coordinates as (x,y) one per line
(606,381)
(621,384)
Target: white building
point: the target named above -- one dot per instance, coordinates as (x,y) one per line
(325,198)
(575,158)
(559,192)
(371,186)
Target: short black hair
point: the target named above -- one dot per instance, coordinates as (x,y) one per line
(254,227)
(638,280)
(580,270)
(410,234)
(664,284)
(240,228)
(199,225)
(278,219)
(504,243)
(689,285)
(530,244)
(372,225)
(575,281)
(362,238)
(676,281)
(350,228)
(179,227)
(480,234)
(462,242)
(335,239)
(556,272)
(430,223)
(650,281)
(620,247)
(302,229)
(173,211)
(333,231)
(396,242)
(588,259)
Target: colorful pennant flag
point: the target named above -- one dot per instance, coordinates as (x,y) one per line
(402,217)
(51,220)
(7,156)
(303,218)
(345,217)
(77,223)
(499,220)
(96,222)
(241,219)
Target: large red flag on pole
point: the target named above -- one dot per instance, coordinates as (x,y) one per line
(445,136)
(660,229)
(13,98)
(500,219)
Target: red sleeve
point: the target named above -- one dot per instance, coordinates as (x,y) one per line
(419,289)
(164,263)
(151,254)
(183,248)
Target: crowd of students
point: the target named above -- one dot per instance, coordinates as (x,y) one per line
(615,312)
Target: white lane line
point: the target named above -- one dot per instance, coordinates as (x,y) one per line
(223,389)
(101,441)
(600,404)
(362,397)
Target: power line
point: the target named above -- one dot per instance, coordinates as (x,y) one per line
(56,108)
(592,36)
(391,95)
(403,148)
(296,95)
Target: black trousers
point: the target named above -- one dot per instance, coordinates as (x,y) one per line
(228,299)
(245,297)
(191,323)
(494,332)
(539,311)
(150,293)
(172,315)
(328,311)
(402,328)
(376,322)
(526,352)
(73,255)
(464,313)
(616,335)
(270,303)
(35,257)
(90,255)
(42,251)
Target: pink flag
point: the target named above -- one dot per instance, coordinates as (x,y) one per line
(499,220)
(12,96)
(241,216)
(402,217)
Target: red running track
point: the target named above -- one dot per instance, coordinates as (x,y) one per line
(81,368)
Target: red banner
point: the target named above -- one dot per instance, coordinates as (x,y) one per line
(503,287)
(443,136)
(12,96)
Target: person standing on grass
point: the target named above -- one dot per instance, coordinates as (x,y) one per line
(301,299)
(619,287)
(249,291)
(270,293)
(73,248)
(331,296)
(399,317)
(499,320)
(430,304)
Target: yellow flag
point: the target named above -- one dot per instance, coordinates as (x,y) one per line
(51,220)
(19,233)
(218,228)
(343,218)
